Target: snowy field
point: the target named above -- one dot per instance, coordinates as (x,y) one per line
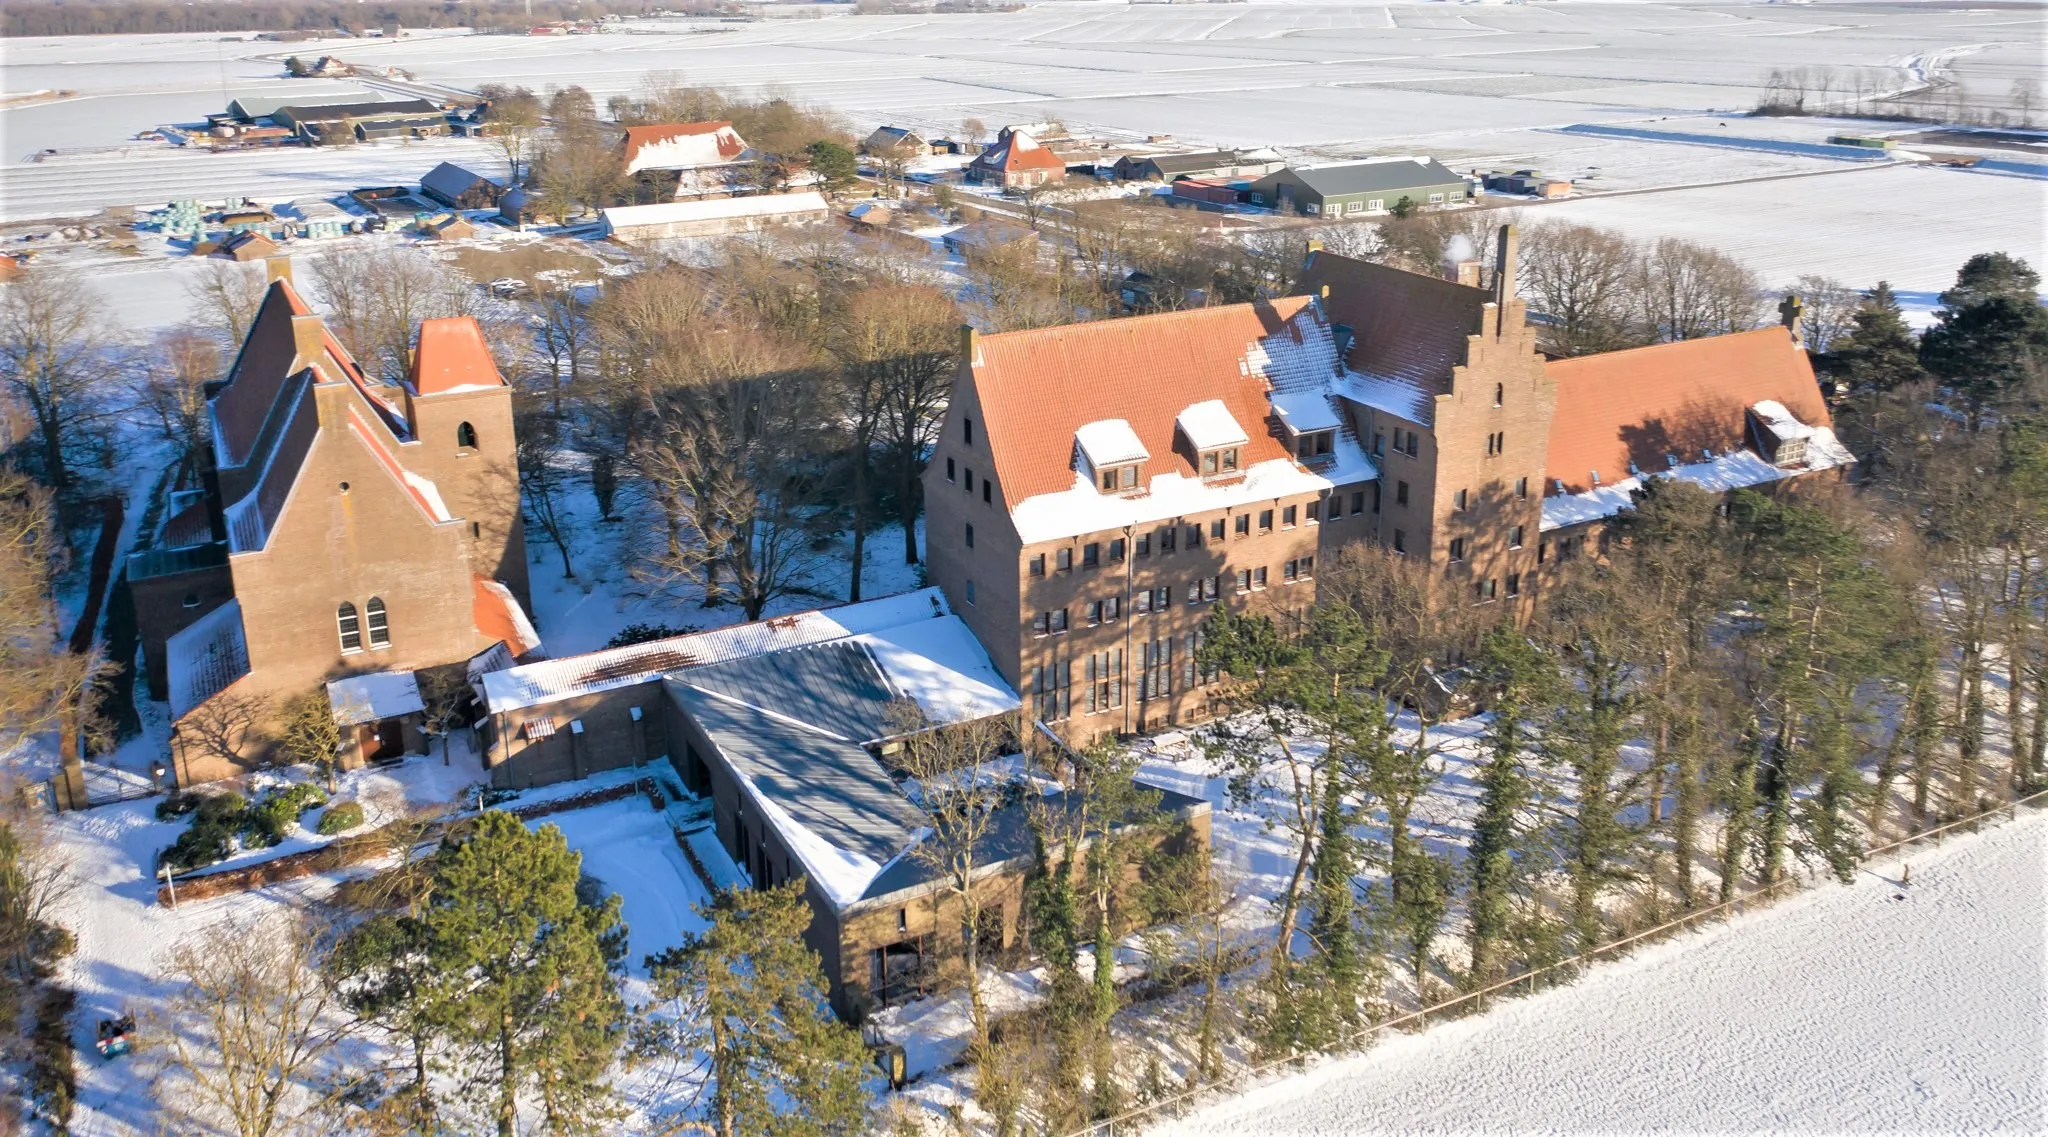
(1859,1009)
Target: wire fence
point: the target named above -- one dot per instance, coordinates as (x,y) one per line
(1137,1119)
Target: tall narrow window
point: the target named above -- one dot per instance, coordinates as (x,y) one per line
(351,629)
(1500,390)
(380,626)
(967,430)
(465,437)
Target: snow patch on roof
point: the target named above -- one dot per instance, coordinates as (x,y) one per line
(1210,426)
(1723,473)
(940,665)
(1396,397)
(1781,421)
(381,695)
(1304,411)
(1110,442)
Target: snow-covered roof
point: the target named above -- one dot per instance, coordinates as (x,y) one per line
(372,698)
(1396,397)
(547,681)
(713,209)
(1781,421)
(1722,473)
(1209,426)
(1304,411)
(943,668)
(201,660)
(1294,365)
(1109,442)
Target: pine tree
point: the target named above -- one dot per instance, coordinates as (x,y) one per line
(1334,942)
(1879,354)
(1420,885)
(385,977)
(527,974)
(1512,671)
(1991,332)
(750,995)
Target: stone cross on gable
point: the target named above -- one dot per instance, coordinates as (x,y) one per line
(1791,313)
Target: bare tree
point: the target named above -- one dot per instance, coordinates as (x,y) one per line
(896,366)
(541,481)
(377,295)
(1578,276)
(309,734)
(246,1037)
(1828,310)
(512,116)
(960,785)
(53,359)
(170,379)
(1685,291)
(561,335)
(225,296)
(42,684)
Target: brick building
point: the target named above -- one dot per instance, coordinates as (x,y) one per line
(1016,161)
(1098,487)
(342,526)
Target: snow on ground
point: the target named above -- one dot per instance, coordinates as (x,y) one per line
(631,849)
(1866,1008)
(126,939)
(1912,225)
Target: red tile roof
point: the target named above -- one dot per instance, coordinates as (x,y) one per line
(1018,151)
(452,355)
(1674,398)
(1404,325)
(729,147)
(498,617)
(1036,388)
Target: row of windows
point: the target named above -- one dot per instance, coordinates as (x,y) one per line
(351,627)
(987,487)
(1102,677)
(1202,590)
(1094,554)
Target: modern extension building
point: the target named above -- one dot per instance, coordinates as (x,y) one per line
(343,525)
(1097,488)
(1376,185)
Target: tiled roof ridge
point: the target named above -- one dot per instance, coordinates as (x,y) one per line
(1220,312)
(1669,347)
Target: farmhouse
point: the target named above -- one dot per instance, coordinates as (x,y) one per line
(896,142)
(343,525)
(1097,488)
(1016,161)
(457,188)
(248,245)
(709,217)
(1376,185)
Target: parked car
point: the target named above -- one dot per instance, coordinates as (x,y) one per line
(508,287)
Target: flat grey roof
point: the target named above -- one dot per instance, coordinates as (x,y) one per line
(1374,177)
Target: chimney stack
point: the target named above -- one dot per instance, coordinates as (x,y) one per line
(969,351)
(278,268)
(1503,280)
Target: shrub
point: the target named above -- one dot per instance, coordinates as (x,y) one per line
(340,818)
(176,804)
(267,823)
(643,633)
(52,1075)
(215,820)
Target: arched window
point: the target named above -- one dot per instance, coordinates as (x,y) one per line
(465,436)
(380,628)
(351,629)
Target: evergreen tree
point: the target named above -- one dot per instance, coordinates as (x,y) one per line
(750,995)
(525,974)
(385,977)
(1512,672)
(833,163)
(1991,332)
(1337,955)
(1879,354)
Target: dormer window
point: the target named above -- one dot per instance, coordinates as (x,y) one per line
(1310,421)
(1779,434)
(1315,444)
(1217,463)
(1214,436)
(1109,452)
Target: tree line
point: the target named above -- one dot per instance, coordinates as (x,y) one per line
(118,17)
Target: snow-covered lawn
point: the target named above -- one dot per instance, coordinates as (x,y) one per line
(629,848)
(1862,1008)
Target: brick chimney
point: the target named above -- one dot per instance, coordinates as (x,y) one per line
(1503,280)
